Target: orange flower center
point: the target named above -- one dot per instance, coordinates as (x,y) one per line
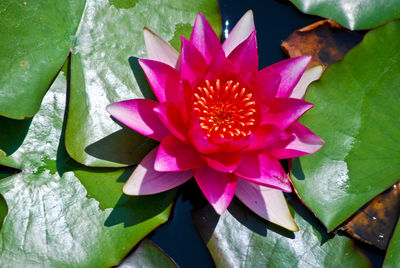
(225,110)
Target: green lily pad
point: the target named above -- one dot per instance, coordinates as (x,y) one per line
(357,114)
(148,255)
(354,15)
(35,40)
(105,37)
(392,258)
(62,214)
(238,238)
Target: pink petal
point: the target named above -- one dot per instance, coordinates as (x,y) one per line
(174,155)
(262,168)
(220,68)
(204,38)
(305,142)
(145,180)
(193,64)
(223,162)
(239,33)
(284,111)
(170,115)
(265,86)
(217,187)
(163,79)
(290,71)
(230,145)
(138,115)
(308,77)
(199,139)
(264,136)
(245,56)
(158,49)
(267,203)
(184,100)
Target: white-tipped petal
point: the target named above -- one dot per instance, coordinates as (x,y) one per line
(158,49)
(308,77)
(145,180)
(239,33)
(268,203)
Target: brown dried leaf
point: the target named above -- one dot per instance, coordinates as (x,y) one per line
(325,40)
(375,222)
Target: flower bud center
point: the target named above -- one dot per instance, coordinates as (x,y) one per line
(225,110)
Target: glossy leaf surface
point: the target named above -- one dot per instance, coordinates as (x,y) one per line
(354,14)
(328,42)
(35,39)
(238,238)
(357,116)
(62,214)
(148,255)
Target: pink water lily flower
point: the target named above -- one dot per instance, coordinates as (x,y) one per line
(220,120)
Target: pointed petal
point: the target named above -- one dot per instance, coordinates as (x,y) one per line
(245,56)
(219,188)
(193,64)
(145,180)
(223,162)
(264,136)
(308,77)
(220,68)
(267,203)
(290,71)
(239,33)
(284,111)
(305,142)
(158,49)
(262,168)
(204,38)
(171,118)
(163,79)
(265,86)
(138,115)
(174,155)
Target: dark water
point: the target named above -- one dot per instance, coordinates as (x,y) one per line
(275,21)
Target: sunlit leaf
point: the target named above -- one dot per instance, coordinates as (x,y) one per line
(356,113)
(148,255)
(62,214)
(352,14)
(238,238)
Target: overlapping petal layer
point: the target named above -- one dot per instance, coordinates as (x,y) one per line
(220,120)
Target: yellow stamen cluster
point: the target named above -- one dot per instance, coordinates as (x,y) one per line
(225,110)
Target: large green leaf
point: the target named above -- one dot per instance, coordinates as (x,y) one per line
(35,39)
(62,214)
(148,255)
(105,38)
(357,114)
(238,238)
(392,258)
(104,70)
(352,14)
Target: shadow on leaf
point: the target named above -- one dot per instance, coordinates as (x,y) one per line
(132,210)
(124,146)
(141,78)
(13,133)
